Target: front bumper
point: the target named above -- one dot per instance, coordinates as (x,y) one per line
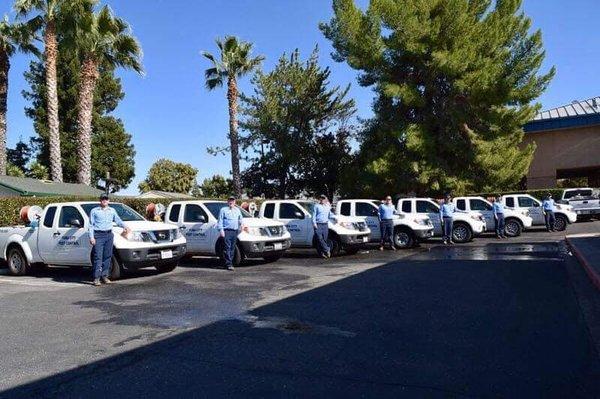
(137,258)
(571,216)
(354,239)
(478,228)
(258,249)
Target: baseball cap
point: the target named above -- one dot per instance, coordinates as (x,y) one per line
(103,197)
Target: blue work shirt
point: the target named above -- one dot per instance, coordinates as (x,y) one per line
(548,205)
(386,211)
(447,210)
(498,208)
(229,219)
(102,219)
(323,214)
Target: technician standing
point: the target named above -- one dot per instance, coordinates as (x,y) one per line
(101,238)
(549,208)
(498,209)
(230,223)
(322,216)
(447,210)
(386,214)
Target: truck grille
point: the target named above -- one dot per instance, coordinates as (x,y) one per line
(272,231)
(160,235)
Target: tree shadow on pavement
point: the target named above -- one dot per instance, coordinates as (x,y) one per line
(409,328)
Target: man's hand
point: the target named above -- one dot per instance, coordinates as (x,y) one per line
(245,228)
(92,241)
(222,233)
(125,232)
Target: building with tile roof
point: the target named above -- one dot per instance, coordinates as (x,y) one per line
(11,186)
(568,144)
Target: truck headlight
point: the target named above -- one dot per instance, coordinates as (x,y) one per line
(255,231)
(525,213)
(478,217)
(347,225)
(136,236)
(423,222)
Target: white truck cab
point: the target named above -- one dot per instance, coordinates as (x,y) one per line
(409,229)
(515,220)
(585,202)
(564,213)
(197,220)
(466,225)
(59,236)
(349,234)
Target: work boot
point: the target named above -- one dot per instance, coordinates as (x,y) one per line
(105,280)
(328,254)
(393,248)
(381,248)
(96,282)
(230,268)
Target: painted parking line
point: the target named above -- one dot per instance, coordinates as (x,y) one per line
(44,283)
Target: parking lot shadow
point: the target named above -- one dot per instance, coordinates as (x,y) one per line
(406,329)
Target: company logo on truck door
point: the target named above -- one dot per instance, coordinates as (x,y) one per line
(69,241)
(195,233)
(293,228)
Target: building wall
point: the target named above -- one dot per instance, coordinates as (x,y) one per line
(571,148)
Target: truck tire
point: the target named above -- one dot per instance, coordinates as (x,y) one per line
(560,222)
(116,269)
(461,232)
(334,244)
(167,267)
(404,238)
(352,250)
(513,227)
(17,262)
(272,258)
(237,254)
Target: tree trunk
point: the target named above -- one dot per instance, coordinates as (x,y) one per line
(51,46)
(89,77)
(4,68)
(232,97)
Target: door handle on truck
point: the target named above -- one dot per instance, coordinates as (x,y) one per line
(56,234)
(182,227)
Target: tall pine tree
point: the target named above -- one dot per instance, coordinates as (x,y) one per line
(112,150)
(455,81)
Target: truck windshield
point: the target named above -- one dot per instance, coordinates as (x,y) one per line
(215,208)
(125,213)
(578,193)
(309,206)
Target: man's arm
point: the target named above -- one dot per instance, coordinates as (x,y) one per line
(92,221)
(220,222)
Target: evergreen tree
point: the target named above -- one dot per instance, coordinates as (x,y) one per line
(286,120)
(20,155)
(112,150)
(454,81)
(215,187)
(173,177)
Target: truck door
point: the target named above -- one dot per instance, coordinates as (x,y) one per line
(369,211)
(535,210)
(297,222)
(67,243)
(486,210)
(197,228)
(45,242)
(429,208)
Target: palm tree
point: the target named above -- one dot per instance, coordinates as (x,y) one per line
(13,37)
(99,38)
(47,17)
(235,62)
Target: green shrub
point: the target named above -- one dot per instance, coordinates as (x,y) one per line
(539,194)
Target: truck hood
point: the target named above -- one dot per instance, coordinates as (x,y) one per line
(349,219)
(261,222)
(144,225)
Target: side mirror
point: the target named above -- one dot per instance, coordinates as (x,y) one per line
(299,215)
(536,205)
(76,223)
(201,218)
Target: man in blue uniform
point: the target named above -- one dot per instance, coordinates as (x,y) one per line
(101,238)
(230,223)
(447,210)
(498,209)
(321,218)
(549,208)
(386,214)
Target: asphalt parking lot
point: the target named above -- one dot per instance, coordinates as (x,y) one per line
(507,318)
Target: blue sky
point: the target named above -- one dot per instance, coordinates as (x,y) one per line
(170,113)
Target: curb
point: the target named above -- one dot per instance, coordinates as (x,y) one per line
(592,274)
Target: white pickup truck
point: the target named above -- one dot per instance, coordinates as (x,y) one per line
(197,220)
(466,225)
(349,234)
(585,202)
(408,229)
(564,213)
(515,220)
(58,235)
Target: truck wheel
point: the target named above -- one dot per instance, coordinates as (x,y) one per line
(237,254)
(352,250)
(17,262)
(334,244)
(167,267)
(116,269)
(404,238)
(272,258)
(461,233)
(513,228)
(560,223)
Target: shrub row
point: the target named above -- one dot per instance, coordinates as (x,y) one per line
(539,194)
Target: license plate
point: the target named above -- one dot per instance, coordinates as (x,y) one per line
(167,254)
(277,246)
(365,239)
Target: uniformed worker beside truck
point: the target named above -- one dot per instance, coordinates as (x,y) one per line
(323,215)
(386,216)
